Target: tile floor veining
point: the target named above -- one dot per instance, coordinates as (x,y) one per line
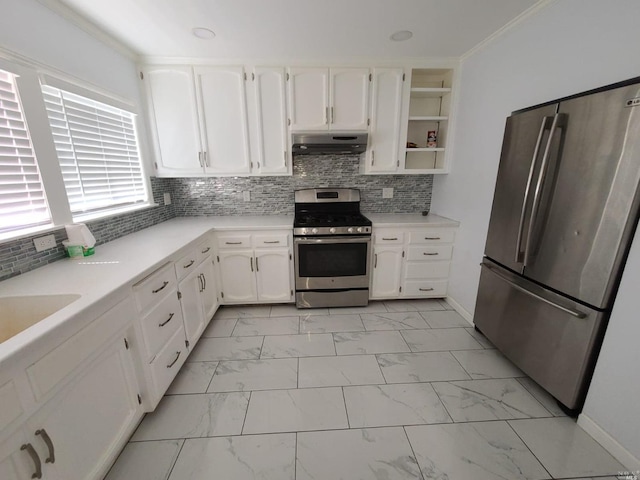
(395,390)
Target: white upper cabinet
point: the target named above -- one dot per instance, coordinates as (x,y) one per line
(309,98)
(349,98)
(173,120)
(270,146)
(384,153)
(223,116)
(329,99)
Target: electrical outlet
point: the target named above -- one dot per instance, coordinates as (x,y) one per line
(246,196)
(387,192)
(44,243)
(167,198)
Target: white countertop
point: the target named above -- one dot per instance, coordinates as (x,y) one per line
(408,220)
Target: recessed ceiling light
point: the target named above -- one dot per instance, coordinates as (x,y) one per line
(401,36)
(204,33)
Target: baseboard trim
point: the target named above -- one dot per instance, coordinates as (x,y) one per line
(460,309)
(610,444)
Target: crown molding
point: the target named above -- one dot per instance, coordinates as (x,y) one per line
(531,11)
(56,6)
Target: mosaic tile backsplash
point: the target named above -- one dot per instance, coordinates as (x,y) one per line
(20,256)
(274,195)
(223,196)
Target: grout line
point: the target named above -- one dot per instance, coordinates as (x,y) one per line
(173,465)
(246,412)
(346,411)
(382,372)
(261,347)
(415,457)
(298,374)
(525,444)
(211,380)
(295,458)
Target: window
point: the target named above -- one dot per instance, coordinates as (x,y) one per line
(22,199)
(97,149)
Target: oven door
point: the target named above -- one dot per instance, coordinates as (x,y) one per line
(332,262)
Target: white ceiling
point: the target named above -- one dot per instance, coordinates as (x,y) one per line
(300,29)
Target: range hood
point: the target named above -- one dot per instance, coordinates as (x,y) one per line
(329,142)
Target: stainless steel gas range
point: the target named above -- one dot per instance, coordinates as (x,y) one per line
(332,248)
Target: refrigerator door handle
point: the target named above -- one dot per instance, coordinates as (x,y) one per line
(520,288)
(536,151)
(559,120)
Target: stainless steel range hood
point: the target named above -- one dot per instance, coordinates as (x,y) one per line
(329,142)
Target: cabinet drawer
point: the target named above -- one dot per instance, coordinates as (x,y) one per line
(425,288)
(187,264)
(388,236)
(430,252)
(271,240)
(168,362)
(11,406)
(203,251)
(160,323)
(226,242)
(427,270)
(155,286)
(431,235)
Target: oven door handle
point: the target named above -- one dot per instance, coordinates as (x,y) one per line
(325,240)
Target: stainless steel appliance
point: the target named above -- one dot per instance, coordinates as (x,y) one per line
(329,142)
(564,212)
(332,248)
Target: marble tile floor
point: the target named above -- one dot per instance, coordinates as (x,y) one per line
(395,390)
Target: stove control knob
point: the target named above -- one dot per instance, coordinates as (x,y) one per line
(314,230)
(304,231)
(332,230)
(350,230)
(359,229)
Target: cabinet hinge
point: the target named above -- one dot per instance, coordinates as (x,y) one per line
(141,76)
(291,292)
(218,258)
(222,294)
(179,296)
(290,257)
(368,122)
(404,76)
(370,77)
(186,343)
(398,163)
(126,344)
(139,399)
(402,253)
(155,164)
(253,77)
(287,76)
(245,76)
(288,121)
(400,289)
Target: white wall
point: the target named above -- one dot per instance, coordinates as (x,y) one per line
(567,47)
(30,29)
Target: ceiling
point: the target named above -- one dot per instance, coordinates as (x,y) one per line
(300,29)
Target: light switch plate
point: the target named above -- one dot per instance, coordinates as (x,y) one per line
(387,192)
(246,196)
(167,198)
(44,243)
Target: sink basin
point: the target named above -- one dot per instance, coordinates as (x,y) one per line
(20,312)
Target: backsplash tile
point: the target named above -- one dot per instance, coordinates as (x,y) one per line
(274,195)
(20,256)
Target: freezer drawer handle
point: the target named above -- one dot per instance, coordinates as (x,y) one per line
(570,311)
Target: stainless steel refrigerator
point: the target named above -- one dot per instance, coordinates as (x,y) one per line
(564,212)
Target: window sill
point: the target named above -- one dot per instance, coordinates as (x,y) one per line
(28,232)
(88,217)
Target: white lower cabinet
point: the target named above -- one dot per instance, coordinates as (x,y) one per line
(411,262)
(15,461)
(198,297)
(255,267)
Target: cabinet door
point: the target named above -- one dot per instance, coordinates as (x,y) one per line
(223,110)
(273,274)
(349,104)
(191,289)
(90,420)
(386,110)
(271,153)
(209,291)
(308,94)
(237,274)
(17,464)
(173,120)
(387,270)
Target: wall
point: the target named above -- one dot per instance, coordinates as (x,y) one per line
(274,195)
(567,47)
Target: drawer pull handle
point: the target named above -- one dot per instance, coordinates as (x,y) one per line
(426,289)
(429,253)
(393,238)
(36,460)
(251,264)
(233,243)
(189,264)
(432,238)
(47,439)
(274,241)
(206,250)
(174,360)
(166,321)
(375,260)
(257,267)
(164,284)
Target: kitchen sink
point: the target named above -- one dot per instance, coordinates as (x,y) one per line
(20,312)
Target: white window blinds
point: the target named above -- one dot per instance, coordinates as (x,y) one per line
(97,150)
(22,199)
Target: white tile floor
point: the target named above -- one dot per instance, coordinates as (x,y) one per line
(395,390)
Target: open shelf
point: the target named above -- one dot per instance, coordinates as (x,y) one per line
(428,118)
(429,92)
(425,149)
